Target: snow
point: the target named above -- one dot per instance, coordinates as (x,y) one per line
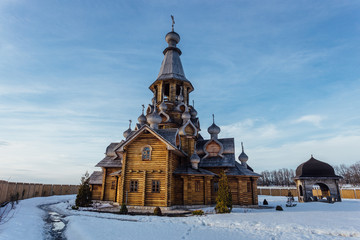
(316,220)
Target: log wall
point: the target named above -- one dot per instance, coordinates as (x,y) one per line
(29,190)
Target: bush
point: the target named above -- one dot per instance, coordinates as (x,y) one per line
(74,207)
(157,211)
(265,202)
(198,212)
(279,208)
(83,198)
(123,209)
(224,198)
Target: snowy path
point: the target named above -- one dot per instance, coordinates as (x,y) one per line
(305,221)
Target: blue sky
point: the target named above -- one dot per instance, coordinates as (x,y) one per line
(282,76)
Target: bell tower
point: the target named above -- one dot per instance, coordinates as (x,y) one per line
(171,88)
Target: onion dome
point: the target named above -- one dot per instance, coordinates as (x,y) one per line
(172,38)
(163,107)
(214,130)
(142,118)
(180,97)
(195,159)
(186,115)
(128,131)
(193,112)
(243,157)
(154,118)
(315,168)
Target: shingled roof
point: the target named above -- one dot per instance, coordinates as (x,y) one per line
(96,177)
(187,170)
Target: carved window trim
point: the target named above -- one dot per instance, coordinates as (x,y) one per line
(146,153)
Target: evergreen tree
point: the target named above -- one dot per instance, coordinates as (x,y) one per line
(83,198)
(224,198)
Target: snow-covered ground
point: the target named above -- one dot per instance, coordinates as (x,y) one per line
(314,220)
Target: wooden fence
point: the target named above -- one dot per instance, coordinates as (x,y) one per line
(351,193)
(18,190)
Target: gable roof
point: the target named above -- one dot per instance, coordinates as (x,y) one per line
(167,136)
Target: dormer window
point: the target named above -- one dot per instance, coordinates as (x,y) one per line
(146,153)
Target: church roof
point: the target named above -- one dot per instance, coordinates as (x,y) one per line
(228,145)
(168,136)
(171,67)
(187,170)
(314,168)
(227,161)
(241,170)
(96,178)
(110,162)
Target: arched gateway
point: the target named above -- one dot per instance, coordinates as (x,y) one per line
(316,173)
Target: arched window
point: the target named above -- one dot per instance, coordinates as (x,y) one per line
(146,153)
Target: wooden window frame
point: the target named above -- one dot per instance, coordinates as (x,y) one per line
(134,185)
(155,186)
(142,153)
(197,185)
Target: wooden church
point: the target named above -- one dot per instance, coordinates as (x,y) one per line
(165,161)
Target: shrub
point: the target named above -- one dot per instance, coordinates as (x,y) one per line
(74,207)
(279,208)
(265,202)
(123,209)
(157,211)
(224,198)
(198,212)
(83,198)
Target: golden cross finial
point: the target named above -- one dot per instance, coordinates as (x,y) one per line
(173,22)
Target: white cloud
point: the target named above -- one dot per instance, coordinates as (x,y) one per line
(313,119)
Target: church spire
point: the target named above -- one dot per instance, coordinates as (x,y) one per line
(171,67)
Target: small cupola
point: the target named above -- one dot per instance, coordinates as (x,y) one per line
(193,112)
(243,157)
(214,130)
(128,131)
(195,159)
(185,115)
(154,119)
(142,118)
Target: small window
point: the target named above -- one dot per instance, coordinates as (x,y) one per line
(177,89)
(112,185)
(249,186)
(216,186)
(146,153)
(197,186)
(134,186)
(155,186)
(166,90)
